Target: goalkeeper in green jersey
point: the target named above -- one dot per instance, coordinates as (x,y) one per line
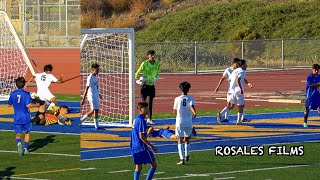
(150,70)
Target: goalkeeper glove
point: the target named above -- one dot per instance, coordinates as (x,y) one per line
(154,80)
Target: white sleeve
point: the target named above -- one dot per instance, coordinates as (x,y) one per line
(53,79)
(88,81)
(175,105)
(226,73)
(192,101)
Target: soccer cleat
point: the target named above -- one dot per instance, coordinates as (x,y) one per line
(245,120)
(305,125)
(194,132)
(219,118)
(240,123)
(20,149)
(225,120)
(149,121)
(181,162)
(187,158)
(25,151)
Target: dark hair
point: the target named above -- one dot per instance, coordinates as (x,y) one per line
(185,86)
(47,67)
(241,62)
(95,66)
(235,60)
(316,66)
(20,82)
(142,105)
(151,52)
(64,107)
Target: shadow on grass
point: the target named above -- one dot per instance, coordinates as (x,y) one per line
(40,143)
(7,173)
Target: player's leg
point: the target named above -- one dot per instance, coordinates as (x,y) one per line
(18,130)
(152,170)
(240,103)
(305,117)
(53,102)
(96,118)
(187,148)
(180,147)
(26,143)
(138,168)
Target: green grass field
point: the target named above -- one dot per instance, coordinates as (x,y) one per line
(206,165)
(52,156)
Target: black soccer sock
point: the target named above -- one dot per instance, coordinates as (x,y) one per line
(306,114)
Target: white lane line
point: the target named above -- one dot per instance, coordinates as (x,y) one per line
(87,169)
(156,173)
(121,171)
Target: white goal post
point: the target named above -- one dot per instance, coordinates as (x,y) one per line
(14,61)
(113,51)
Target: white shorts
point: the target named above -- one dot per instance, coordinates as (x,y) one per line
(183,131)
(94,104)
(47,96)
(237,99)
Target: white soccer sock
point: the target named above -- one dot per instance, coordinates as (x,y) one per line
(96,123)
(226,115)
(186,149)
(239,117)
(180,150)
(224,110)
(84,118)
(50,105)
(242,115)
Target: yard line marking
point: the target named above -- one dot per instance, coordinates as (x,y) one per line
(88,169)
(121,171)
(52,171)
(155,173)
(242,171)
(45,132)
(224,178)
(54,154)
(15,177)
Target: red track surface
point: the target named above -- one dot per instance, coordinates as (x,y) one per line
(66,61)
(202,88)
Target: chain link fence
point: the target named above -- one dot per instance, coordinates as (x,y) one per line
(208,57)
(45,23)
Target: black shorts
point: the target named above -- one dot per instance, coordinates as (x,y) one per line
(147,90)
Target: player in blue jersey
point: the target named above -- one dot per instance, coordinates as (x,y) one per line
(21,102)
(141,148)
(312,93)
(166,132)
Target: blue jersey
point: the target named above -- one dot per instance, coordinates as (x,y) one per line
(20,99)
(139,126)
(164,133)
(312,94)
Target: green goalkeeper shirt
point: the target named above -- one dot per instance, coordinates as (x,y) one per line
(149,71)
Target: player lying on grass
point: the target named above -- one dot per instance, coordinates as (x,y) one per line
(166,132)
(185,111)
(141,149)
(312,93)
(43,81)
(225,76)
(21,102)
(55,114)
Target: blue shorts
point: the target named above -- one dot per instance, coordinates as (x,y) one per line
(19,128)
(312,104)
(143,157)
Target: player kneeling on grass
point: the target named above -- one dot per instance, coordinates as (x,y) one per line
(21,102)
(92,94)
(184,109)
(43,81)
(55,114)
(141,148)
(312,93)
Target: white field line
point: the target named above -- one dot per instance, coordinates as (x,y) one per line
(53,154)
(87,169)
(16,177)
(44,132)
(240,171)
(120,171)
(199,150)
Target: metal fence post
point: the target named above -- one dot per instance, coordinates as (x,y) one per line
(282,53)
(195,57)
(242,50)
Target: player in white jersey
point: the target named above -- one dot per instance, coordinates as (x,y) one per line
(236,89)
(225,76)
(185,111)
(92,94)
(43,81)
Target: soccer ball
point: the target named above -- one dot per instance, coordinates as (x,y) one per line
(33,95)
(141,80)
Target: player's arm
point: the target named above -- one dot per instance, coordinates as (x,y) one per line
(33,105)
(220,82)
(150,130)
(85,95)
(239,84)
(175,107)
(193,110)
(144,140)
(315,85)
(139,70)
(31,79)
(60,80)
(247,83)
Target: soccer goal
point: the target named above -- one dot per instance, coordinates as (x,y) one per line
(14,61)
(113,50)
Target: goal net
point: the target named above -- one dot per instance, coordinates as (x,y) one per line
(113,50)
(14,61)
